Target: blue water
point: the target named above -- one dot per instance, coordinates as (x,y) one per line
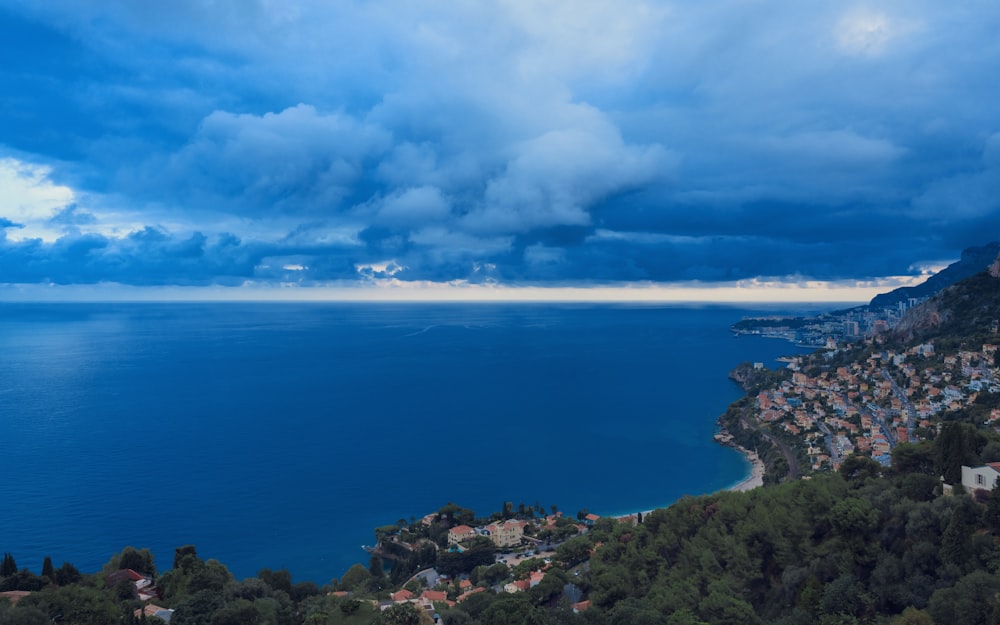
(280,435)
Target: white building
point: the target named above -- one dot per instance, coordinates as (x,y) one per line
(981,478)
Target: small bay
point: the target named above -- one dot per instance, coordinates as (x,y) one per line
(280,435)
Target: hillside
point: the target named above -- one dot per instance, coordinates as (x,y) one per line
(965,311)
(972,261)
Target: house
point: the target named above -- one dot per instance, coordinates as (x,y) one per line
(151,609)
(590,519)
(401,596)
(460,533)
(144,587)
(506,534)
(518,586)
(535,577)
(434,595)
(980,478)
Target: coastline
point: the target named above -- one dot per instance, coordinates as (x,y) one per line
(756,477)
(757,468)
(750,482)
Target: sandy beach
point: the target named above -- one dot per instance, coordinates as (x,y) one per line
(756,477)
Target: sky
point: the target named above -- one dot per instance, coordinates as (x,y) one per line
(823,149)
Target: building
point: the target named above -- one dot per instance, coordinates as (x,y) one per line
(460,533)
(506,534)
(981,478)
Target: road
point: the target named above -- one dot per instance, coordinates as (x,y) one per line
(911,412)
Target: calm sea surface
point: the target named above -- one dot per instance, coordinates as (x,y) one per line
(280,435)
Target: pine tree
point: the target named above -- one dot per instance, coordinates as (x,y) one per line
(47,569)
(7,566)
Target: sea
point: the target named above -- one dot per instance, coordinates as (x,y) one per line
(279,435)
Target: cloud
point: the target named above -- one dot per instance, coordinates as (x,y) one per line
(970,195)
(413,206)
(555,178)
(524,142)
(295,161)
(30,199)
(864,32)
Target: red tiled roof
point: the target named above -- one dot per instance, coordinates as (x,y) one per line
(467,594)
(402,595)
(434,595)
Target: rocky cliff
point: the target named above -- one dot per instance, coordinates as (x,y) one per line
(970,306)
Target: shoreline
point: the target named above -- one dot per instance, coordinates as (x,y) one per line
(750,482)
(756,477)
(757,467)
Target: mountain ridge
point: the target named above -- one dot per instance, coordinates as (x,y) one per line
(972,261)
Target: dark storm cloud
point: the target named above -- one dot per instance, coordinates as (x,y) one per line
(522,142)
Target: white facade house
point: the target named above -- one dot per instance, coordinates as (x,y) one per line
(981,478)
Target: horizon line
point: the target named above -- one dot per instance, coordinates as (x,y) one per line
(734,293)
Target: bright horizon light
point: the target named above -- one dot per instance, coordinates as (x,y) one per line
(742,292)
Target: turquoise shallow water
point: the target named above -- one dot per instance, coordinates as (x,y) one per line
(280,435)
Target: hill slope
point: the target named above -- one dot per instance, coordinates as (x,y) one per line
(973,261)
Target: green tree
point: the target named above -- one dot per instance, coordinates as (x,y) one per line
(991,516)
(957,444)
(197,608)
(971,601)
(23,616)
(180,553)
(211,576)
(277,580)
(574,551)
(456,616)
(856,469)
(403,614)
(239,612)
(376,567)
(47,568)
(67,574)
(512,611)
(912,616)
(494,574)
(355,577)
(7,566)
(140,560)
(913,458)
(723,607)
(75,605)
